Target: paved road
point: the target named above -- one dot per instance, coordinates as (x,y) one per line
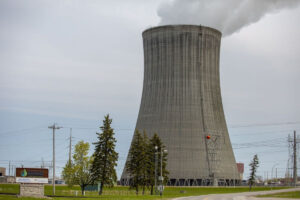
(240,196)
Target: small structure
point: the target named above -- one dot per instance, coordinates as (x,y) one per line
(32,181)
(10,179)
(2,171)
(4,178)
(240,167)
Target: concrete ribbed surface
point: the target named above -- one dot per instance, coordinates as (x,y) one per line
(181,101)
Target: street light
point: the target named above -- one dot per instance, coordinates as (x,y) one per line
(155,181)
(161,171)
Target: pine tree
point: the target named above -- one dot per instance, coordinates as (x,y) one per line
(253,168)
(137,162)
(156,141)
(144,152)
(105,156)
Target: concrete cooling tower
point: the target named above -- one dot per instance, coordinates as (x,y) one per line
(181,102)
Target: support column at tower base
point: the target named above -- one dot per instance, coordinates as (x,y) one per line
(195,182)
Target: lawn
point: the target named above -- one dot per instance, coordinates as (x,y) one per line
(294,195)
(123,193)
(9,188)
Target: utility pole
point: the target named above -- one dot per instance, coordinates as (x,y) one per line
(295,159)
(276,174)
(9,169)
(272,175)
(70,147)
(14,170)
(43,163)
(53,127)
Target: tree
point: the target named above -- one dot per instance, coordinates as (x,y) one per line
(253,168)
(137,162)
(146,162)
(156,141)
(79,172)
(68,174)
(141,161)
(105,156)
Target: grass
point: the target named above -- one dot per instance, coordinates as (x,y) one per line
(9,188)
(294,195)
(123,193)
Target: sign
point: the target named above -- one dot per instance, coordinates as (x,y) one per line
(160,188)
(31,180)
(31,175)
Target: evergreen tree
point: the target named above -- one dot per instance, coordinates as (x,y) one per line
(105,156)
(253,168)
(144,152)
(137,162)
(156,141)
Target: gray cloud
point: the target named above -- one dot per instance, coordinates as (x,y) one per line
(227,16)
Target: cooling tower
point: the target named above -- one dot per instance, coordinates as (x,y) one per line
(181,102)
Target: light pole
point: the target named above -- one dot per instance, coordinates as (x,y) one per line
(161,171)
(155,179)
(273,168)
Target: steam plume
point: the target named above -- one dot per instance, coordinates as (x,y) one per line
(228,16)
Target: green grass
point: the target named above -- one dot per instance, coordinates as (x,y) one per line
(9,188)
(123,193)
(294,195)
(14,197)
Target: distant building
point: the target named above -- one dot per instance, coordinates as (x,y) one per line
(240,167)
(2,171)
(4,178)
(57,181)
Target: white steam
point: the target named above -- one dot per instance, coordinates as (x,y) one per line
(228,16)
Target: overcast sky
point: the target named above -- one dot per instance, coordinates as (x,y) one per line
(71,62)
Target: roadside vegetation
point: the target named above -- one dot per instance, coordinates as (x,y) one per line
(253,168)
(146,165)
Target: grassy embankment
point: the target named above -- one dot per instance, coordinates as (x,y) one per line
(122,193)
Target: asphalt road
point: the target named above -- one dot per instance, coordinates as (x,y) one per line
(240,196)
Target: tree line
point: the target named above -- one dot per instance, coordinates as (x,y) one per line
(145,157)
(145,153)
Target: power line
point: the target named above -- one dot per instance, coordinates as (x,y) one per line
(260,132)
(22,131)
(264,124)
